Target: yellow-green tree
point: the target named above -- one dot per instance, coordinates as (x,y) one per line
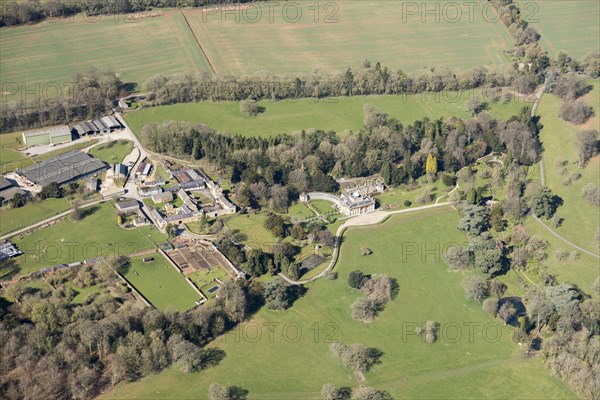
(431,165)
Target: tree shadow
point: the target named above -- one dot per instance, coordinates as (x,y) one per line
(296,292)
(9,269)
(375,354)
(517,303)
(211,357)
(237,393)
(86,212)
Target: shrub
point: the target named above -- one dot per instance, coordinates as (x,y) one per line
(490,306)
(250,108)
(356,279)
(448,180)
(592,194)
(407,203)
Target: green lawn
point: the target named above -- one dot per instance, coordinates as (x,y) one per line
(10,158)
(69,241)
(15,218)
(582,272)
(568,26)
(112,152)
(558,138)
(337,114)
(205,279)
(325,36)
(299,212)
(395,198)
(50,53)
(249,229)
(324,207)
(284,368)
(161,284)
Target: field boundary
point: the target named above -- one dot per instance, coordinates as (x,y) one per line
(210,64)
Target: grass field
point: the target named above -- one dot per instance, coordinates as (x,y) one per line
(249,229)
(285,368)
(309,36)
(335,114)
(205,279)
(161,284)
(15,218)
(113,152)
(571,27)
(50,53)
(558,138)
(68,241)
(10,158)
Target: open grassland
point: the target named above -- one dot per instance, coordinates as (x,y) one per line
(309,36)
(581,271)
(14,218)
(67,241)
(50,53)
(558,138)
(10,158)
(160,283)
(568,26)
(249,229)
(335,114)
(113,152)
(297,367)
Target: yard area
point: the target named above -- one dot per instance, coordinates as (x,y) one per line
(410,368)
(112,152)
(249,229)
(160,283)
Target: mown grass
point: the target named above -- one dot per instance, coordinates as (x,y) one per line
(113,152)
(69,241)
(14,218)
(337,114)
(160,283)
(559,140)
(296,366)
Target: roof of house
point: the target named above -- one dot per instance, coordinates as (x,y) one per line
(127,204)
(110,122)
(4,183)
(63,168)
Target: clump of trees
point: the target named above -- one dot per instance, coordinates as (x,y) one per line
(90,95)
(357,356)
(571,86)
(592,194)
(575,111)
(587,145)
(251,108)
(216,391)
(379,289)
(54,348)
(330,392)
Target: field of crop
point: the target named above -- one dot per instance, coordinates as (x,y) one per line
(335,114)
(284,367)
(113,152)
(51,52)
(558,137)
(69,241)
(310,35)
(571,27)
(160,283)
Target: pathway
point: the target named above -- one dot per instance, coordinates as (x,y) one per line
(361,220)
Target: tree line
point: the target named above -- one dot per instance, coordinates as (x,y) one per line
(18,13)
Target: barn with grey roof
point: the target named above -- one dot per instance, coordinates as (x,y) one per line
(62,169)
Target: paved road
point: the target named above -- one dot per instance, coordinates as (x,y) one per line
(361,220)
(565,240)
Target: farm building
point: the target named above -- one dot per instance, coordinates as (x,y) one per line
(120,171)
(8,250)
(164,197)
(127,206)
(56,135)
(111,122)
(149,190)
(62,169)
(8,190)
